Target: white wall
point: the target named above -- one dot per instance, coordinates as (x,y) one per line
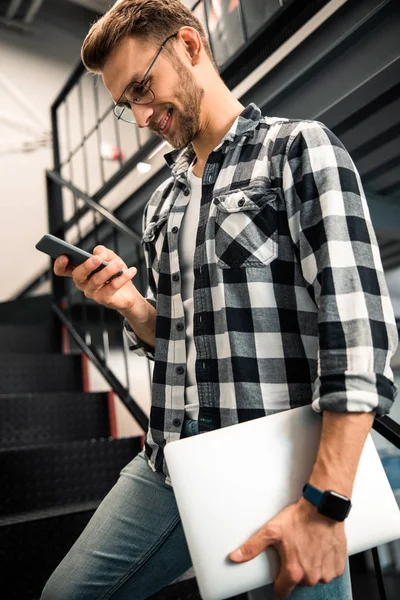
(140,369)
(38,64)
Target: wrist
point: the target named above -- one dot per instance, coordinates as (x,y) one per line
(137,310)
(309,514)
(332,477)
(327,502)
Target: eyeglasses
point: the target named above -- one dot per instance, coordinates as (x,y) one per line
(137,92)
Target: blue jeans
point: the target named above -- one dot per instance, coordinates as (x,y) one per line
(134,546)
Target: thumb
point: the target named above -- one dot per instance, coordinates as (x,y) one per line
(259,542)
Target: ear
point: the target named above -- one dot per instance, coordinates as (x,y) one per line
(191,42)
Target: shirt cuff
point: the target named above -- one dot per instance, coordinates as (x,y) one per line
(135,344)
(354,392)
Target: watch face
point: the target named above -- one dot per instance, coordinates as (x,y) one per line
(335,506)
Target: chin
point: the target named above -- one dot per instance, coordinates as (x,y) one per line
(179,142)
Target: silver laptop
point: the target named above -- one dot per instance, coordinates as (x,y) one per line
(230,482)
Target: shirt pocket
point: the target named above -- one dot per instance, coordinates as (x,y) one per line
(246,225)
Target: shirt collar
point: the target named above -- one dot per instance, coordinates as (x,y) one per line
(244,126)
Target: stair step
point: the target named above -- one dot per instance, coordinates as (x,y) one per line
(40,373)
(37,478)
(33,309)
(24,518)
(28,338)
(43,418)
(32,547)
(182,590)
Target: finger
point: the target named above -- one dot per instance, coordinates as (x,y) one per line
(95,282)
(310,579)
(105,253)
(82,272)
(340,563)
(108,291)
(62,268)
(290,575)
(253,547)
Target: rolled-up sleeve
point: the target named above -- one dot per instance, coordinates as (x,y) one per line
(336,247)
(135,344)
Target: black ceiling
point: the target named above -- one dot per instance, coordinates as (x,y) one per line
(347,75)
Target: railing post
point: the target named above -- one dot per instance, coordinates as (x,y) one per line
(56,227)
(378,574)
(55,140)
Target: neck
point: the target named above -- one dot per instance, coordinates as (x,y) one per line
(218,113)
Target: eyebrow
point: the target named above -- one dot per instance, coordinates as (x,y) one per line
(134,77)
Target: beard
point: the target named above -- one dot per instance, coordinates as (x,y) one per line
(186,119)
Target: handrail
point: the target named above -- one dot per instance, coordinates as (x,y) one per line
(71,81)
(108,375)
(139,156)
(389,429)
(116,223)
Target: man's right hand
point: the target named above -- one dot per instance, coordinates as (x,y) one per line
(119,294)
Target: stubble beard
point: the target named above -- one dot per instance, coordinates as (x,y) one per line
(186,120)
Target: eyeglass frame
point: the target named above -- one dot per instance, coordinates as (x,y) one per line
(145,76)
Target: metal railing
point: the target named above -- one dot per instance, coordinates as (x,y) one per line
(94,330)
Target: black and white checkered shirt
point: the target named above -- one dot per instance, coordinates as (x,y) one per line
(290,301)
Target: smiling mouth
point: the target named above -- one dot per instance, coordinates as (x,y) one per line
(164,123)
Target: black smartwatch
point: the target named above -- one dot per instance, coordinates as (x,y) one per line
(329,503)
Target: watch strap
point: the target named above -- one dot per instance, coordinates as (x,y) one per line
(312,494)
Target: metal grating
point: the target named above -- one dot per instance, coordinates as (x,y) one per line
(40,373)
(54,475)
(36,419)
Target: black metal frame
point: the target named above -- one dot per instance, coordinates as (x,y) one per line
(388,429)
(60,294)
(57,226)
(56,184)
(101,364)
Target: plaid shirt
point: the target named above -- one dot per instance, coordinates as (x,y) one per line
(290,301)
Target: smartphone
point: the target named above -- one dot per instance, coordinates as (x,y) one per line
(54,247)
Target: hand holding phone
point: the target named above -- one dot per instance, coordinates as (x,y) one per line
(110,288)
(55,247)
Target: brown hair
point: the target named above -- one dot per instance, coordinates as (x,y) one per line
(153,20)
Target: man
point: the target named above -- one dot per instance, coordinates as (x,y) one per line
(266,292)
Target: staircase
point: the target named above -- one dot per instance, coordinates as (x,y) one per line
(57,459)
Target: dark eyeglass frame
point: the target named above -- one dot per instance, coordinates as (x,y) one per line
(145,77)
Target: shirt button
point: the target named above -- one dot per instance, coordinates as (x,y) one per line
(175,277)
(175,229)
(241,202)
(179,370)
(179,326)
(176,422)
(186,192)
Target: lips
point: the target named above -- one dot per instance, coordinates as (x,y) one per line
(164,122)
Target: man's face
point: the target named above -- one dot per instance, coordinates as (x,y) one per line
(174,114)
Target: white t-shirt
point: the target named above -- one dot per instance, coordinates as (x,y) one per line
(187,246)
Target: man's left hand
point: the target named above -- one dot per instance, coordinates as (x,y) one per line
(311,547)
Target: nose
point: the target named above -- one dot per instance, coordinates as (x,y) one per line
(142,114)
